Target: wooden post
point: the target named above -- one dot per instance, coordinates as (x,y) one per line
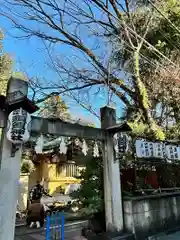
(9,175)
(112,182)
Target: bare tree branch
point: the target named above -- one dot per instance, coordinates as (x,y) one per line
(82,27)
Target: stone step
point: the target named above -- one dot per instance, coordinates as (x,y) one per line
(124,237)
(108,237)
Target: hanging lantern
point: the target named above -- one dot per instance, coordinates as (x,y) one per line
(144,149)
(96,150)
(121,143)
(18,126)
(84,147)
(63,146)
(39,145)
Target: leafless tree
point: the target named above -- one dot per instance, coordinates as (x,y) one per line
(85,27)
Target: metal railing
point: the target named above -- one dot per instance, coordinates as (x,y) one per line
(55,226)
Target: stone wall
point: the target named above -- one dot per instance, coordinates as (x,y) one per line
(148,215)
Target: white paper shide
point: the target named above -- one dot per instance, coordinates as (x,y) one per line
(39,145)
(96,150)
(63,146)
(84,147)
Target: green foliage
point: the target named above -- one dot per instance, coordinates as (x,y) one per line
(156,85)
(140,129)
(90,193)
(158,132)
(55,107)
(154,130)
(174,132)
(160,33)
(27,165)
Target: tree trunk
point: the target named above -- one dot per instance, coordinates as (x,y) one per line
(143,101)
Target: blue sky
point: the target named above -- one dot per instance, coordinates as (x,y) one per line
(31,56)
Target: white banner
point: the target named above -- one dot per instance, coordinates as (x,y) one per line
(147,149)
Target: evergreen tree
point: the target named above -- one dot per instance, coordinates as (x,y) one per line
(55,107)
(91,193)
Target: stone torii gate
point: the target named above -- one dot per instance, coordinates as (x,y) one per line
(10,164)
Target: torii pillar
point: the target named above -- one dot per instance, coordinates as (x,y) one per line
(112,181)
(10,165)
